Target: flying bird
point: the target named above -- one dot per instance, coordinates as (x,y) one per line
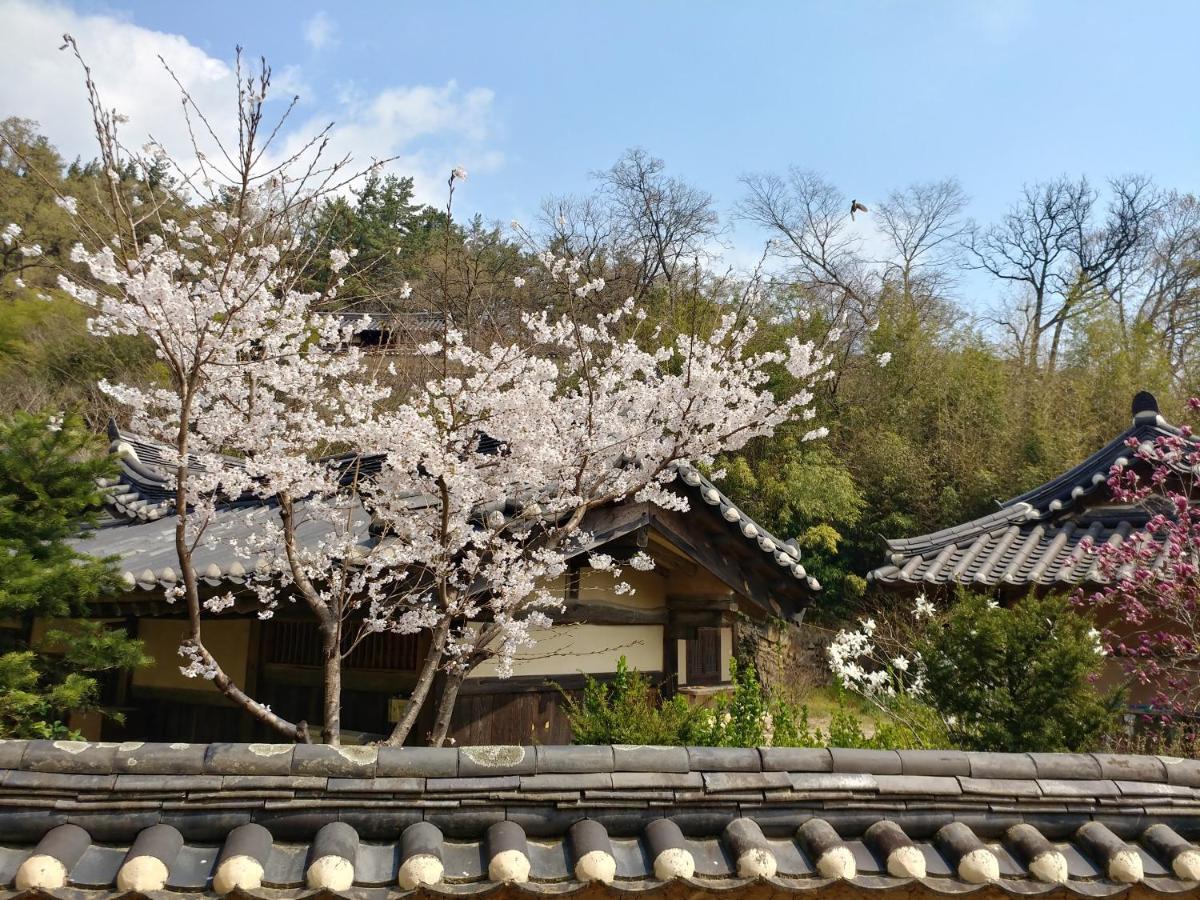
(855,206)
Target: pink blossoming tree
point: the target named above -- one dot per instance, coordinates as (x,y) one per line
(1150,600)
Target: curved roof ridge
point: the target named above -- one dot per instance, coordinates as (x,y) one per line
(1018,512)
(1042,534)
(1099,463)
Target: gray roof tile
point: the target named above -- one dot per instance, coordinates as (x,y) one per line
(552,759)
(934,762)
(796,759)
(1002,765)
(1134,768)
(432,762)
(490,761)
(1066,765)
(877,762)
(636,758)
(1034,539)
(1182,771)
(242,785)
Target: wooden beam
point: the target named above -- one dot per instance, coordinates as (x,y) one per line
(592,613)
(727,600)
(542,684)
(611,522)
(721,556)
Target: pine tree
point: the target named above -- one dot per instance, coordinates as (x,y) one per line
(48,496)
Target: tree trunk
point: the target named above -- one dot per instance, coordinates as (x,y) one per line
(446,704)
(421,689)
(1055,342)
(221,681)
(331,653)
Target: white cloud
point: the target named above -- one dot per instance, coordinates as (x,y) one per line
(318,31)
(39,82)
(429,128)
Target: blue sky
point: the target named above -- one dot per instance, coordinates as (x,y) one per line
(534,96)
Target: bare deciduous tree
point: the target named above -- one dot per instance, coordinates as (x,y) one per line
(923,225)
(1051,245)
(662,223)
(1161,286)
(809,220)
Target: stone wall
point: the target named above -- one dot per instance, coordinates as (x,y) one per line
(790,659)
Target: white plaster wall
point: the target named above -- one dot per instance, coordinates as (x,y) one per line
(571,649)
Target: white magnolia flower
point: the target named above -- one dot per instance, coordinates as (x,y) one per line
(518,282)
(923,608)
(458,173)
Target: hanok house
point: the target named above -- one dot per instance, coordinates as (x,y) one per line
(1033,541)
(283,821)
(717,573)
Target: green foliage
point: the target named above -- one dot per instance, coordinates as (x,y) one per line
(385,229)
(1018,679)
(49,360)
(48,494)
(32,176)
(29,170)
(799,489)
(742,718)
(626,710)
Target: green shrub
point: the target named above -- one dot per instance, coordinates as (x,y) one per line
(1018,679)
(627,710)
(741,718)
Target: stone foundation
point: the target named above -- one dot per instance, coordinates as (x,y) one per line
(790,659)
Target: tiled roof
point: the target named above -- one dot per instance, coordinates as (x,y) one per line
(1033,540)
(139,530)
(274,820)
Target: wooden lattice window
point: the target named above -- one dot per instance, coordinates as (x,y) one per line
(298,643)
(704,656)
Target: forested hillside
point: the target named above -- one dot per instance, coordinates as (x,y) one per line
(972,359)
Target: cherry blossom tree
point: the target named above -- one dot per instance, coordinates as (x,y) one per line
(1150,599)
(447,508)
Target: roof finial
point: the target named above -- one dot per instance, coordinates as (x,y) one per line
(1144,406)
